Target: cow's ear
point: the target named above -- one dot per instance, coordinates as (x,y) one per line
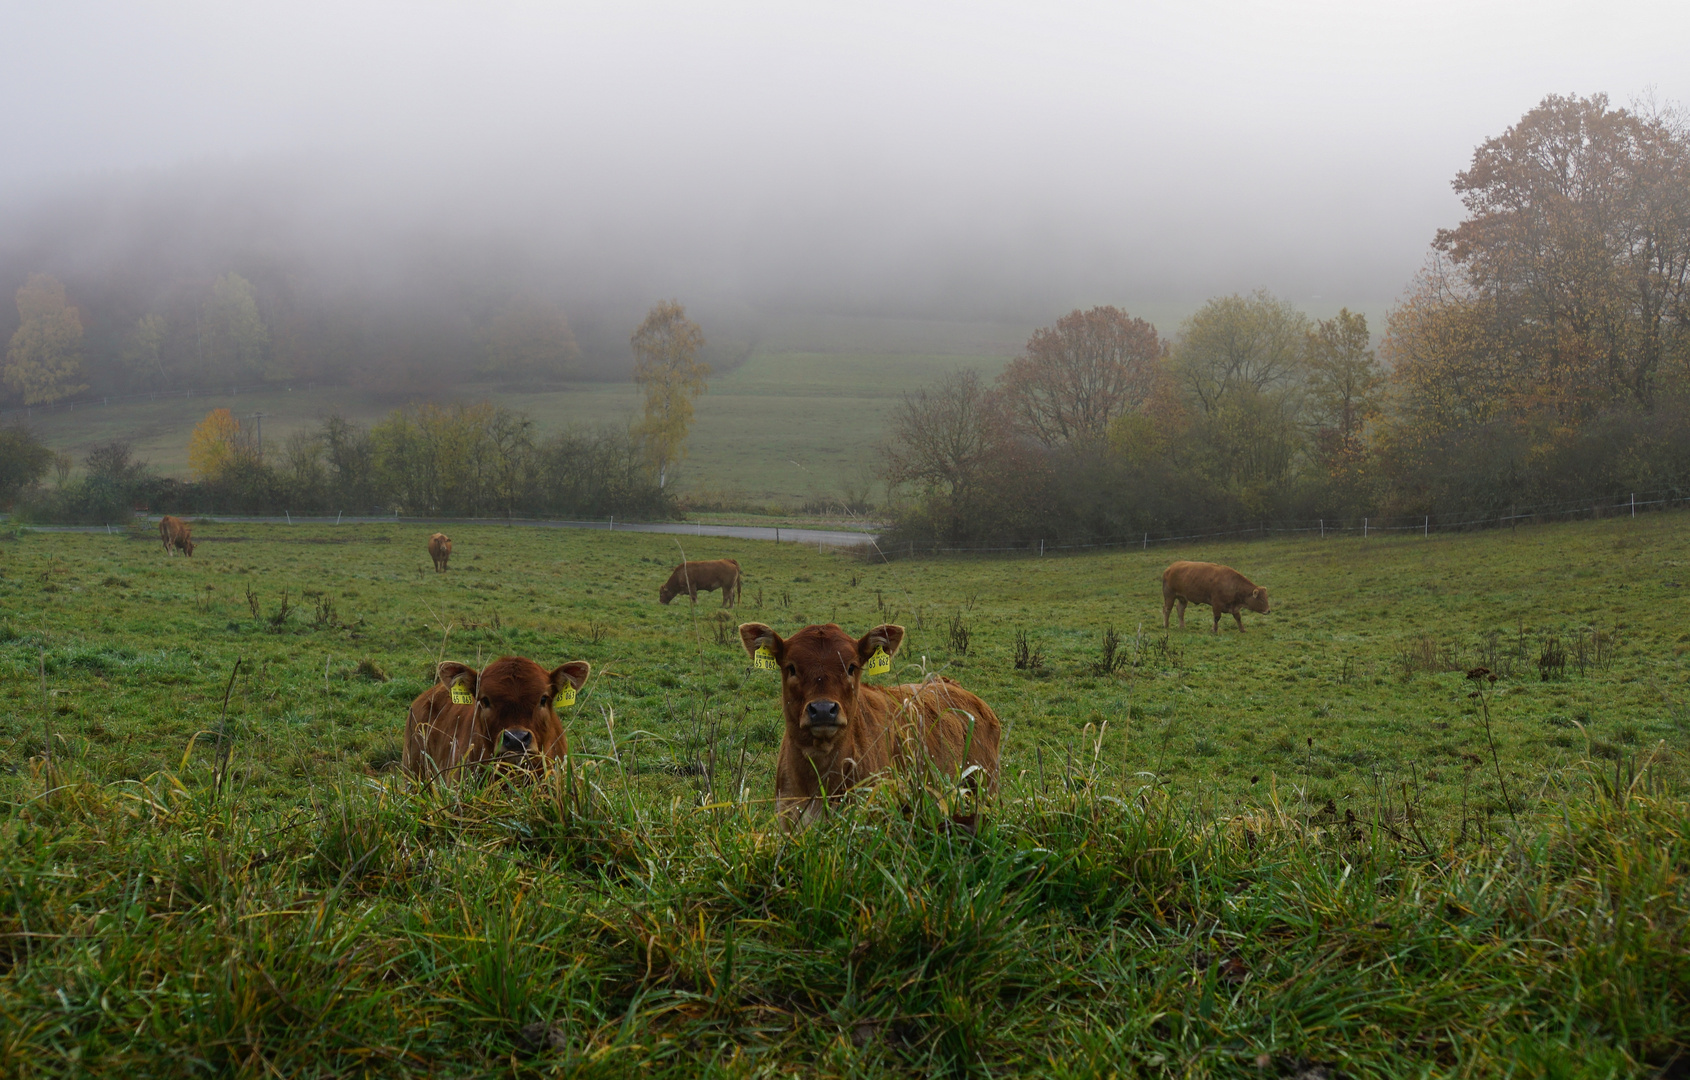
(886,636)
(756,635)
(574,673)
(453,673)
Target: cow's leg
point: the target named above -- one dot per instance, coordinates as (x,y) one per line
(1216,609)
(1181,602)
(1239,616)
(1167,610)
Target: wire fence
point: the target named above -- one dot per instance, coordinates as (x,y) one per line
(1426,525)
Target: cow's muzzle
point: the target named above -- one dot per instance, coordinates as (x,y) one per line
(822,716)
(516,741)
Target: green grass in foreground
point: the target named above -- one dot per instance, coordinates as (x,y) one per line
(1290,843)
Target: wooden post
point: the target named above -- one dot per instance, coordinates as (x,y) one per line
(1426,527)
(1364,528)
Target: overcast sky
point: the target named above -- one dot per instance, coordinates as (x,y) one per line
(854,156)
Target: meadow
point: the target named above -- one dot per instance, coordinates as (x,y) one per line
(1317,848)
(756,437)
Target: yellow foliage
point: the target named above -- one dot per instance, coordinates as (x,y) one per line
(214,445)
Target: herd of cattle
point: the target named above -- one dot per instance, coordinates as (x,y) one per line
(839,730)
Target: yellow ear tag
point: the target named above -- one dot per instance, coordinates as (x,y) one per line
(461,695)
(878,664)
(565,697)
(764,660)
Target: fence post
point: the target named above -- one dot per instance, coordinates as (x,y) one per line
(1323,528)
(1426,527)
(1634,504)
(1146,541)
(1041,549)
(1364,528)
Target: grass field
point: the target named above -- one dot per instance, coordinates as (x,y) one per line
(783,428)
(1256,854)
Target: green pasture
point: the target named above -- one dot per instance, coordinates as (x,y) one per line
(784,428)
(1233,854)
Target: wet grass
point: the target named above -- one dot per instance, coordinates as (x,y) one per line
(1255,854)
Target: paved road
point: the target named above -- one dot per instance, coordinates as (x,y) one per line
(821,537)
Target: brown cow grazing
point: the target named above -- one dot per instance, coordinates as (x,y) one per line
(440,549)
(693,578)
(1225,590)
(174,533)
(840,732)
(505,714)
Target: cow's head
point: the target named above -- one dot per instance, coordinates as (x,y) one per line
(668,591)
(1257,600)
(188,546)
(821,670)
(515,706)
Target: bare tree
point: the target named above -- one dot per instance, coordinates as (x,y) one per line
(1079,375)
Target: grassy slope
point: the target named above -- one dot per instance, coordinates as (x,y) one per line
(783,427)
(1097,919)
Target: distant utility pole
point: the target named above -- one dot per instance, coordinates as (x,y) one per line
(258,432)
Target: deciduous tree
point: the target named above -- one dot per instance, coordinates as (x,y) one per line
(24,460)
(1077,376)
(216,446)
(44,357)
(232,336)
(1344,379)
(143,349)
(1577,242)
(1239,344)
(668,370)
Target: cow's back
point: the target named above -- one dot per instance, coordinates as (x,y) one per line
(1205,583)
(956,727)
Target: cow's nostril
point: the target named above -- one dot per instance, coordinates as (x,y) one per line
(517,742)
(823,712)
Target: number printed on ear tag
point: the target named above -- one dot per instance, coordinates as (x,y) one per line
(878,664)
(461,695)
(764,660)
(565,697)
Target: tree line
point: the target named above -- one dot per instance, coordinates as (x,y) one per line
(437,459)
(1542,354)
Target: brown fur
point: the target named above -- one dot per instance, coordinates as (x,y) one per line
(440,549)
(693,578)
(1225,590)
(879,728)
(175,535)
(512,694)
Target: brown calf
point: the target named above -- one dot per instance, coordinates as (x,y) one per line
(440,549)
(1225,590)
(840,733)
(505,714)
(176,536)
(693,578)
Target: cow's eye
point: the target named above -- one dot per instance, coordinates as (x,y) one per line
(850,669)
(543,699)
(486,703)
(792,669)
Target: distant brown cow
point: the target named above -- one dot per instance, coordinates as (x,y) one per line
(174,533)
(1225,590)
(440,549)
(693,578)
(840,733)
(505,714)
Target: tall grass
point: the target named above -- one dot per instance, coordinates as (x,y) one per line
(1095,924)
